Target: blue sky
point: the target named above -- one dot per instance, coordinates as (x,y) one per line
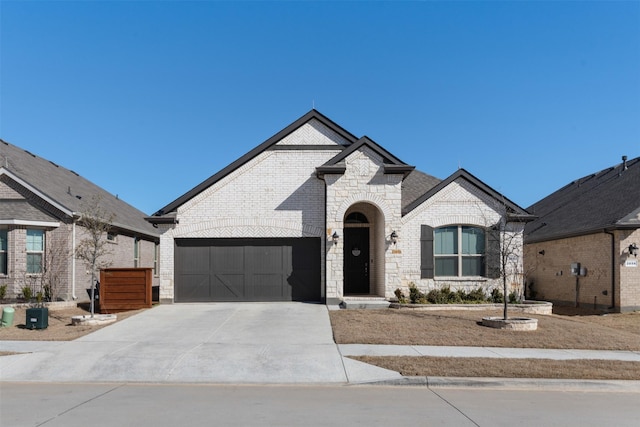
(149,98)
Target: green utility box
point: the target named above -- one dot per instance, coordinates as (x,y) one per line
(7,316)
(37,318)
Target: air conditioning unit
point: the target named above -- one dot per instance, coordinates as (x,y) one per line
(37,318)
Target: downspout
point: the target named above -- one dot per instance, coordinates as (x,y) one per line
(613,270)
(73,261)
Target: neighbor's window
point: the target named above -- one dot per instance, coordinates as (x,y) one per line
(136,252)
(35,251)
(459,251)
(3,252)
(156,256)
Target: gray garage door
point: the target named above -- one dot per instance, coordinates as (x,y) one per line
(247,270)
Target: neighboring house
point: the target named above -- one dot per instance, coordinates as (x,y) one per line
(40,208)
(317,214)
(579,251)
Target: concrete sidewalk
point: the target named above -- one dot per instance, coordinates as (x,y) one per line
(492,352)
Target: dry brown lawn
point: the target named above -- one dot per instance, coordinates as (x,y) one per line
(567,328)
(507,368)
(59,329)
(463,328)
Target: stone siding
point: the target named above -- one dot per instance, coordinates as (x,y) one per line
(366,188)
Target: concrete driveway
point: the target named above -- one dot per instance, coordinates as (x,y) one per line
(198,343)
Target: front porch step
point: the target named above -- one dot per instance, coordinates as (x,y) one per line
(364,303)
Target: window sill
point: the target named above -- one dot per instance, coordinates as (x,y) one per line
(460,279)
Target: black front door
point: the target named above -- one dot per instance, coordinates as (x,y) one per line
(356,261)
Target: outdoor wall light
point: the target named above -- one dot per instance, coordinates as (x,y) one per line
(394,237)
(633,249)
(335,236)
(541,252)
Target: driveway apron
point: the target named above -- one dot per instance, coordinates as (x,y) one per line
(212,343)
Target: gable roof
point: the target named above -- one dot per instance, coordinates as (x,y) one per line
(313,114)
(62,188)
(391,163)
(605,200)
(514,212)
(417,186)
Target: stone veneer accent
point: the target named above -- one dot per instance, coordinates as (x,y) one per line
(364,183)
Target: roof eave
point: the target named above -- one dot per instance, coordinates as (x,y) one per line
(313,114)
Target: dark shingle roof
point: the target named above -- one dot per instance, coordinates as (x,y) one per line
(21,209)
(415,185)
(608,199)
(68,189)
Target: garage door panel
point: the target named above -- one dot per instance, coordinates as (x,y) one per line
(264,259)
(228,287)
(193,260)
(269,287)
(227,258)
(194,288)
(279,269)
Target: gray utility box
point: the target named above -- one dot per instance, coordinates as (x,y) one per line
(37,318)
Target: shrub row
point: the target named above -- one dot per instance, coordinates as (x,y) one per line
(445,295)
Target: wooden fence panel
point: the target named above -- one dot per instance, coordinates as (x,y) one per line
(123,289)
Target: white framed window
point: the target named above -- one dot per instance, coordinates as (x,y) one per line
(459,250)
(35,251)
(156,258)
(3,252)
(136,252)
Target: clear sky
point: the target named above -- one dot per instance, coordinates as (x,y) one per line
(149,98)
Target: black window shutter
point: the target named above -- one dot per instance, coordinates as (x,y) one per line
(426,252)
(493,252)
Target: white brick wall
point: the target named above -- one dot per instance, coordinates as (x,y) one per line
(276,194)
(460,203)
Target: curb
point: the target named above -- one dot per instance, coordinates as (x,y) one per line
(629,386)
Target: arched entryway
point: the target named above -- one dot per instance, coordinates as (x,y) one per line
(363,263)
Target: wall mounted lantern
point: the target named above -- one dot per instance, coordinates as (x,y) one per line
(633,249)
(335,236)
(394,237)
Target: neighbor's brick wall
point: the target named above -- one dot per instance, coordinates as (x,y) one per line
(550,277)
(121,254)
(6,192)
(629,276)
(460,203)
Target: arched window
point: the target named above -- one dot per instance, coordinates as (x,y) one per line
(356,218)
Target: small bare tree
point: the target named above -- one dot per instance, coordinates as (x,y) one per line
(54,266)
(92,249)
(505,251)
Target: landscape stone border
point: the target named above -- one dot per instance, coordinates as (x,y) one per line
(512,323)
(528,307)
